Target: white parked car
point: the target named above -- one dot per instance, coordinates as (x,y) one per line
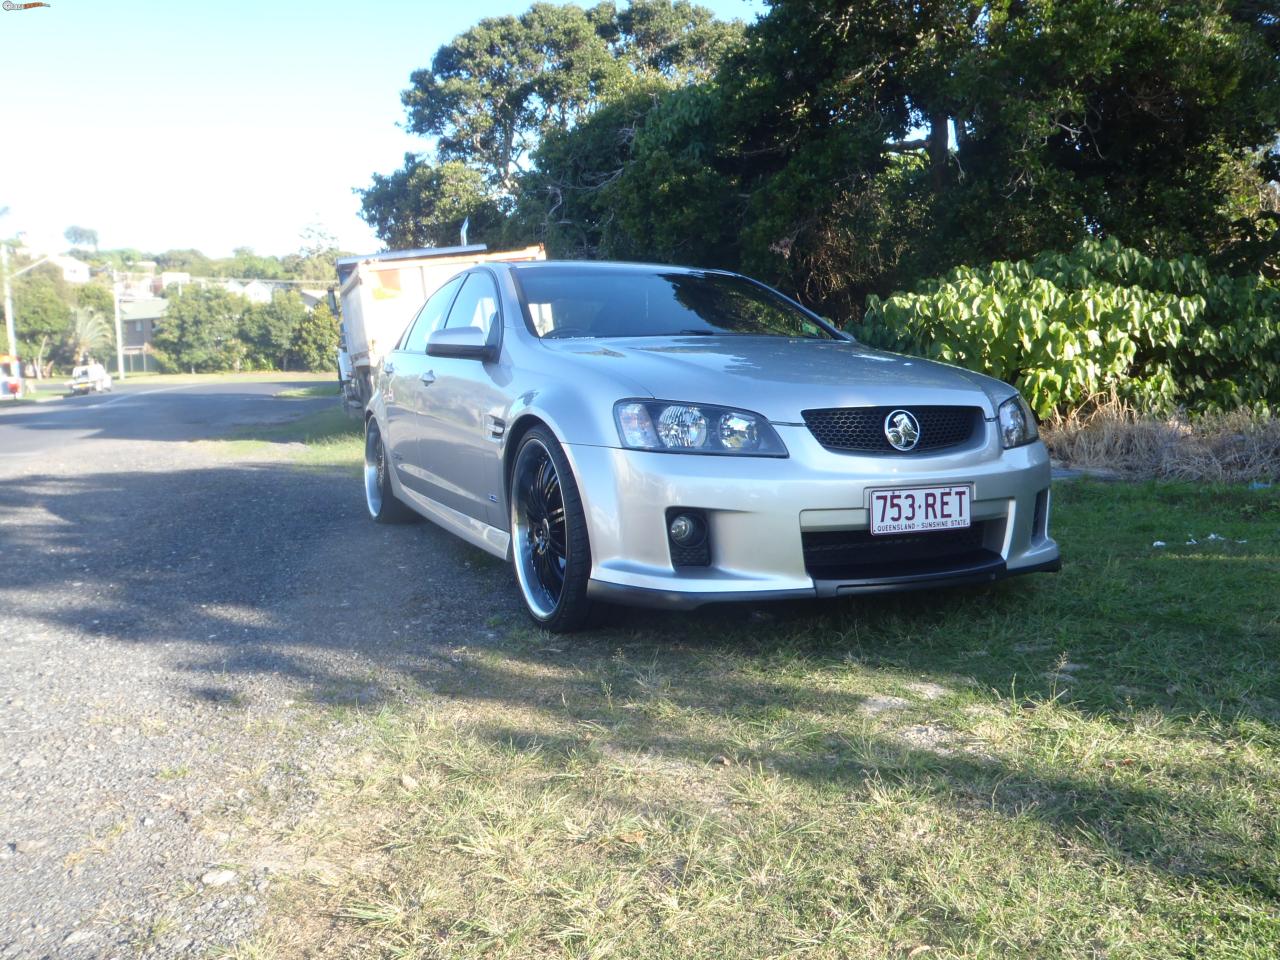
(89,378)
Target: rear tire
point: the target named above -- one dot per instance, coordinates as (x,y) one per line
(550,548)
(378,495)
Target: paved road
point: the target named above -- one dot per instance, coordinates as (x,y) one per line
(141,410)
(173,619)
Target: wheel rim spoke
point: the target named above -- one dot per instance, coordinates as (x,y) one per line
(541,512)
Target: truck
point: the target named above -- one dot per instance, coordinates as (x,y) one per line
(382,292)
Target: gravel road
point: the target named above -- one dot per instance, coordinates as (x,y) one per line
(169,618)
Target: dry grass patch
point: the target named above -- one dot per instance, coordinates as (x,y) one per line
(1110,435)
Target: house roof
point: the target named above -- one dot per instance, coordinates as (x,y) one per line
(152,308)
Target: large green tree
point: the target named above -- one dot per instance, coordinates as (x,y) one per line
(186,261)
(491,95)
(268,330)
(425,205)
(97,296)
(41,315)
(850,147)
(315,340)
(199,332)
(82,237)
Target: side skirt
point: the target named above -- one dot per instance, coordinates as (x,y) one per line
(475,532)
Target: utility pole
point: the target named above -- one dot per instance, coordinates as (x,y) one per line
(115,302)
(8,302)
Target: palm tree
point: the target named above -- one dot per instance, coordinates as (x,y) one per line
(89,333)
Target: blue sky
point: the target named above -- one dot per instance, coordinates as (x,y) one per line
(213,125)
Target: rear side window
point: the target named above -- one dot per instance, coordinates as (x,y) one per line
(477,304)
(430,318)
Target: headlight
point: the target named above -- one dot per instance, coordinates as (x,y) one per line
(1017,423)
(695,428)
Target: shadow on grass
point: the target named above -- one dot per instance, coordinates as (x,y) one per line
(264,570)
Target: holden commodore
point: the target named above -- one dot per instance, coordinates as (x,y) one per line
(666,436)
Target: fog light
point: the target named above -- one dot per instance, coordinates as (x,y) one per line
(689,537)
(687,529)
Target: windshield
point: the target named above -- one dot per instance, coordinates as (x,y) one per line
(574,301)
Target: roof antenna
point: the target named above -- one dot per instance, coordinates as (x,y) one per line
(465,223)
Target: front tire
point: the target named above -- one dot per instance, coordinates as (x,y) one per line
(378,495)
(550,548)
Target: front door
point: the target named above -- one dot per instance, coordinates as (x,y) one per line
(406,370)
(460,434)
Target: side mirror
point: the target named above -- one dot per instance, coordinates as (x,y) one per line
(465,342)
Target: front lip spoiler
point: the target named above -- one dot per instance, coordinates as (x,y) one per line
(681,600)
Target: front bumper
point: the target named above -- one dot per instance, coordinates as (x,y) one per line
(766,515)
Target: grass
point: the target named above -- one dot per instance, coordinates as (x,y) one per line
(329,439)
(326,389)
(1082,765)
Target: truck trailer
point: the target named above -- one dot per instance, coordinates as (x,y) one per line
(382,292)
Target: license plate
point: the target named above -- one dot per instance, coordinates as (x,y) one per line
(920,508)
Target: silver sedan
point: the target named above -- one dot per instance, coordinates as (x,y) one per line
(666,436)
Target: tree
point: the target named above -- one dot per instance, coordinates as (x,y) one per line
(96,296)
(40,312)
(186,261)
(316,258)
(199,330)
(493,93)
(315,342)
(82,237)
(89,334)
(268,330)
(851,147)
(425,206)
(678,41)
(245,264)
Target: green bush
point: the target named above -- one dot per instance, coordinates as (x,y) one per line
(1101,318)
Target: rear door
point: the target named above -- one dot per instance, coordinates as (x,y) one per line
(404,390)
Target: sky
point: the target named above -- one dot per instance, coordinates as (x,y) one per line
(214,125)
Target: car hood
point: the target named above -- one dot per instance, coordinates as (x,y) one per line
(781,376)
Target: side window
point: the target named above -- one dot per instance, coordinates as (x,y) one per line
(477,304)
(430,317)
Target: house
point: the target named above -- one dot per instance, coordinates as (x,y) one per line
(171,278)
(138,319)
(73,270)
(136,285)
(258,291)
(313,298)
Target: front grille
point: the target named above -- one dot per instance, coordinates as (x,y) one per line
(857,555)
(861,429)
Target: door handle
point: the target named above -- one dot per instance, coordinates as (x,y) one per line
(388,368)
(428,378)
